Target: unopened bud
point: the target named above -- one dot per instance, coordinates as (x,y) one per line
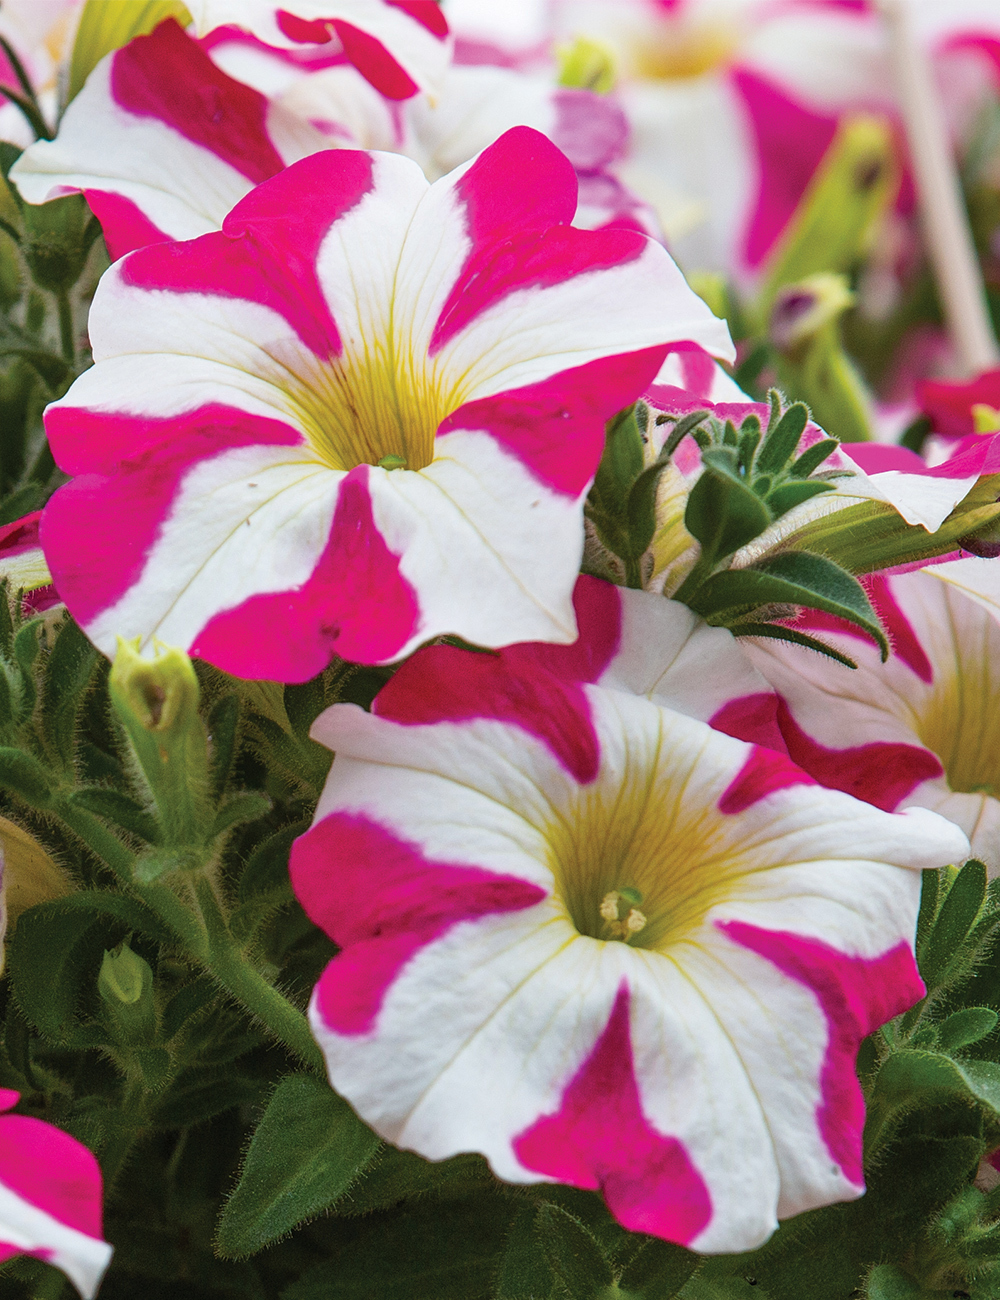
(124,976)
(587,65)
(802,310)
(159,694)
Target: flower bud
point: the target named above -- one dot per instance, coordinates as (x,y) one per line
(125,984)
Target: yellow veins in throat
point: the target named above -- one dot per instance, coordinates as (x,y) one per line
(380,407)
(632,865)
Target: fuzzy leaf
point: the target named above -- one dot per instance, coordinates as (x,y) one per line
(956,918)
(659,1271)
(25,776)
(966,1026)
(573,1255)
(780,442)
(524,1272)
(114,806)
(722,513)
(791,578)
(308,1148)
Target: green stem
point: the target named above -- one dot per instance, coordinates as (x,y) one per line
(66,333)
(633,573)
(228,964)
(130,1116)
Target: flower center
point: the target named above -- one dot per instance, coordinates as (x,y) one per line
(685,49)
(381,408)
(961,722)
(632,864)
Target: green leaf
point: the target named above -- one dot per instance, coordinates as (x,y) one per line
(722,513)
(308,1148)
(54,956)
(659,1271)
(107,25)
(955,919)
(573,1255)
(524,1272)
(223,727)
(622,461)
(886,1282)
(813,457)
(789,495)
(393,1176)
(791,578)
(67,676)
(909,1077)
(25,776)
(119,808)
(21,503)
(241,808)
(421,1252)
(966,1026)
(778,632)
(781,441)
(930,882)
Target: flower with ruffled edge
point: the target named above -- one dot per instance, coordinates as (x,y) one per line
(50,1198)
(163,142)
(364,414)
(400,46)
(922,729)
(621,951)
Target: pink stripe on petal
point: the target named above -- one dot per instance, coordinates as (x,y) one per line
(15,539)
(762,774)
(519,197)
(791,141)
(315,31)
(355,604)
(599,1139)
(375,63)
(753,718)
(167,75)
(97,530)
(124,225)
(556,427)
(905,644)
(381,900)
(48,1168)
(426,12)
(697,367)
(267,249)
(590,129)
(881,773)
(857,995)
(8,1097)
(533,686)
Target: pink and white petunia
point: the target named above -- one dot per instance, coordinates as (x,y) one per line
(622,950)
(364,414)
(734,103)
(163,143)
(400,46)
(50,1198)
(920,730)
(164,140)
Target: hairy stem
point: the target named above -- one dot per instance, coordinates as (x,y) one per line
(229,966)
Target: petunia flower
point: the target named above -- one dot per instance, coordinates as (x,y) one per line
(734,103)
(623,951)
(50,1198)
(364,414)
(168,134)
(920,730)
(400,46)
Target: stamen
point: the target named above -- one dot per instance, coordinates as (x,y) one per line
(621,919)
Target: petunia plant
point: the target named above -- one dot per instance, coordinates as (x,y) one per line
(489,808)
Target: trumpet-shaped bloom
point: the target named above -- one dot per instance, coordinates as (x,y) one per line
(400,46)
(164,142)
(919,730)
(364,414)
(621,951)
(50,1198)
